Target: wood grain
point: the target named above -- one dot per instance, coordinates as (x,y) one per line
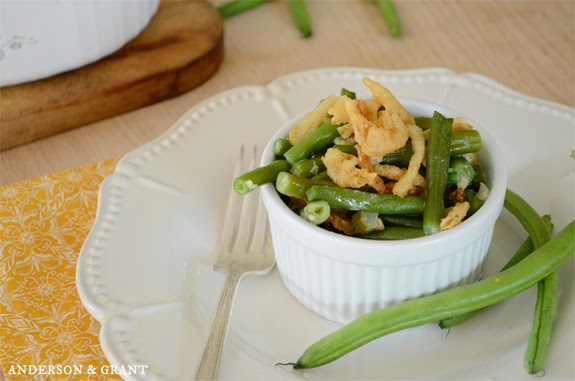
(525,45)
(180,49)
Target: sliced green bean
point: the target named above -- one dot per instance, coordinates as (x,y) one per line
(347,149)
(357,200)
(394,233)
(301,17)
(524,250)
(316,212)
(281,146)
(348,93)
(423,122)
(460,173)
(293,186)
(308,168)
(547,288)
(235,7)
(249,181)
(390,17)
(462,142)
(494,289)
(436,172)
(365,222)
(322,176)
(318,139)
(405,221)
(474,202)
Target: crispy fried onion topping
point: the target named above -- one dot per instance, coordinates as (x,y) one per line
(311,121)
(395,173)
(379,137)
(342,169)
(459,124)
(388,100)
(455,215)
(411,176)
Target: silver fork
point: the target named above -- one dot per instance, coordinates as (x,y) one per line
(245,249)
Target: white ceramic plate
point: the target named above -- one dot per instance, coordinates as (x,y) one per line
(145,269)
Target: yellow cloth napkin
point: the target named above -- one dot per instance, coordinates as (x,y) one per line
(43,224)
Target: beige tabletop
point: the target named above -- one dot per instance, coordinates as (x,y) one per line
(525,45)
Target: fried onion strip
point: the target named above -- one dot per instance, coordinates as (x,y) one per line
(342,169)
(388,100)
(379,137)
(454,215)
(311,120)
(408,180)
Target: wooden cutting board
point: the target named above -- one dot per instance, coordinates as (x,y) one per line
(181,47)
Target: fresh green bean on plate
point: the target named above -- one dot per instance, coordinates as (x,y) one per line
(382,211)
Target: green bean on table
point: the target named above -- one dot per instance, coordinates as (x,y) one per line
(494,289)
(300,17)
(235,7)
(390,16)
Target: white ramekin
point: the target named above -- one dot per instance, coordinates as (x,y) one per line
(40,38)
(342,278)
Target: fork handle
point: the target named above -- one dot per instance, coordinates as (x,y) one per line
(210,363)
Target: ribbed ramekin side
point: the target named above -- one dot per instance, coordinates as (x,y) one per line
(343,291)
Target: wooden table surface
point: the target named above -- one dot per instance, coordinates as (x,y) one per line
(525,45)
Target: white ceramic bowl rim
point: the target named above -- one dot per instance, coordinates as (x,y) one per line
(404,252)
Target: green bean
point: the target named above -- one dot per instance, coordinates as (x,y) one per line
(462,142)
(547,288)
(460,173)
(316,212)
(527,247)
(474,202)
(436,172)
(365,222)
(347,149)
(313,142)
(322,176)
(357,200)
(524,250)
(281,146)
(405,221)
(479,177)
(348,93)
(249,181)
(394,233)
(293,186)
(235,7)
(390,16)
(423,122)
(300,17)
(494,289)
(308,168)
